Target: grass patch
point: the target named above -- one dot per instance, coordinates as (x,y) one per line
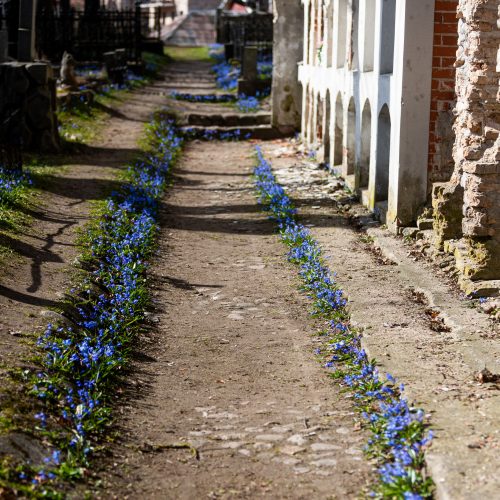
(154,63)
(188,53)
(83,122)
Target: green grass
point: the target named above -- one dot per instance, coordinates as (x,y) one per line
(15,208)
(55,379)
(83,123)
(188,53)
(155,62)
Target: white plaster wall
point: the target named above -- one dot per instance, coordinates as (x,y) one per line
(406,92)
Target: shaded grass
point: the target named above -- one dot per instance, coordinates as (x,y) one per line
(84,122)
(15,209)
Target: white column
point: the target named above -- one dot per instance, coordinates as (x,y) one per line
(340,32)
(367,18)
(306,31)
(410,107)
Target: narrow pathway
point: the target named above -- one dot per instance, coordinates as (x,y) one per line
(226,399)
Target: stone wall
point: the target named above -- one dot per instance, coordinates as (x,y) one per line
(27,106)
(468,207)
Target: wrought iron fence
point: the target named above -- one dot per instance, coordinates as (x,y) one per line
(236,31)
(87,37)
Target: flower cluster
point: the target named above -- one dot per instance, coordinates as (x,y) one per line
(226,75)
(248,104)
(243,103)
(10,181)
(81,356)
(398,430)
(206,98)
(207,134)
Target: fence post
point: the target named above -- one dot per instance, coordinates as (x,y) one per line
(138,36)
(4,38)
(26,32)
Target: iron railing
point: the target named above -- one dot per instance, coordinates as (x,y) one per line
(87,37)
(237,31)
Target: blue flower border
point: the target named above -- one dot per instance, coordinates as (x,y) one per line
(399,433)
(81,357)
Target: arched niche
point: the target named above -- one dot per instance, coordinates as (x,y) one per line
(319,120)
(306,111)
(366,139)
(383,154)
(311,121)
(338,134)
(350,150)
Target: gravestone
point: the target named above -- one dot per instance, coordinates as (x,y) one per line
(67,73)
(247,84)
(249,66)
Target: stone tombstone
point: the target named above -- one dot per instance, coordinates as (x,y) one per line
(27,110)
(249,65)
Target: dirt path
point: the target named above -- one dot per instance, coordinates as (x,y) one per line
(32,284)
(230,370)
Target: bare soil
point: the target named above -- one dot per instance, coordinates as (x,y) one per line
(226,399)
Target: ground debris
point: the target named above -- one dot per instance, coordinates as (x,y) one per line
(485,376)
(156,448)
(436,321)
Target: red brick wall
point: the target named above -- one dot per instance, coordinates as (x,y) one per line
(441,135)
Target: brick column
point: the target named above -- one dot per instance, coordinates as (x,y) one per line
(441,134)
(477,146)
